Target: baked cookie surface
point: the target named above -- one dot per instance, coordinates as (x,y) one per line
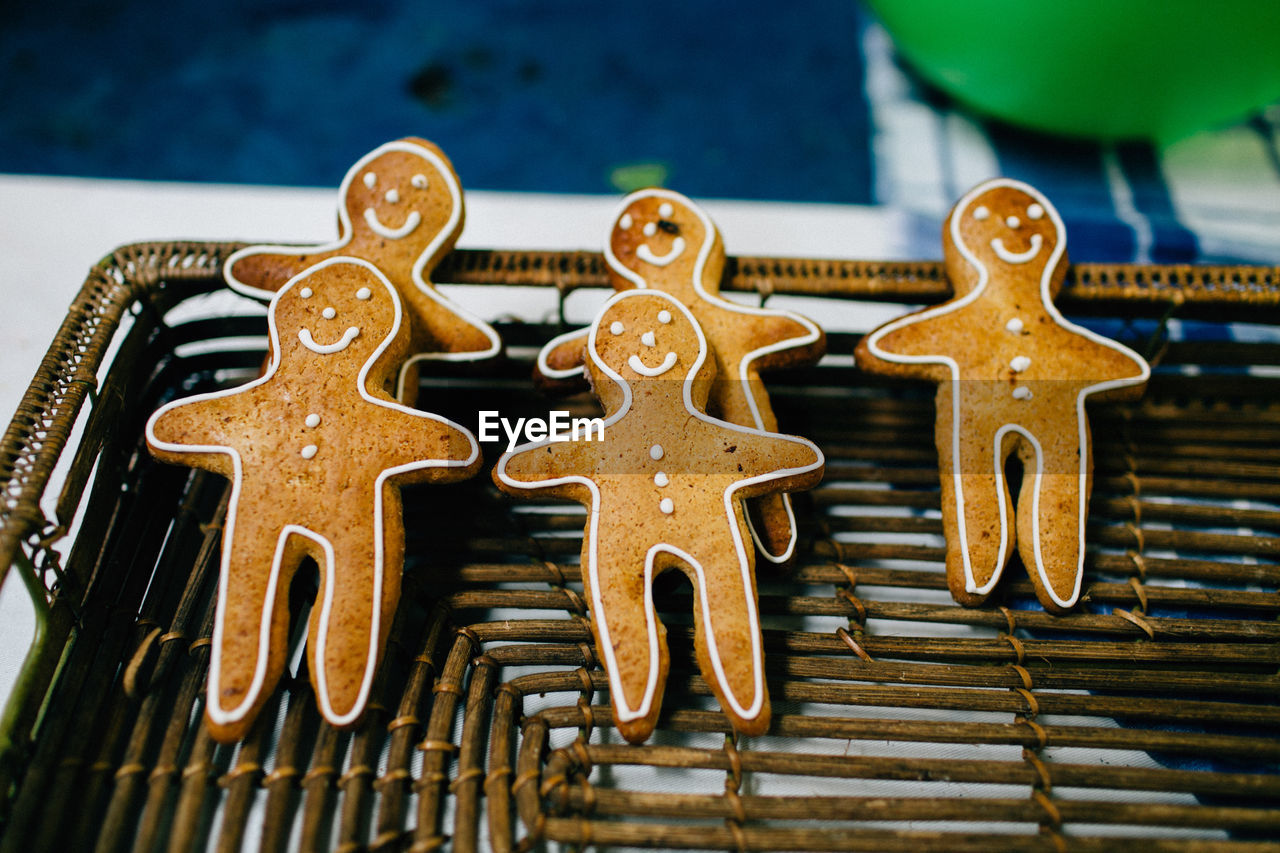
(1013,377)
(663,490)
(661,240)
(401,208)
(315,450)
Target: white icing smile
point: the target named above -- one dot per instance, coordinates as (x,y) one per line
(997,245)
(411,222)
(640,367)
(646,254)
(339,345)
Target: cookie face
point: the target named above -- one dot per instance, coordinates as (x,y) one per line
(400,208)
(1013,377)
(660,240)
(664,490)
(315,450)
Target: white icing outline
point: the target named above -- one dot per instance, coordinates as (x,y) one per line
(1046,280)
(410,224)
(339,345)
(214,708)
(644,253)
(1015,258)
(420,281)
(624,712)
(644,370)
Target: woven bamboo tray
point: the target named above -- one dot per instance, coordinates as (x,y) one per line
(901,721)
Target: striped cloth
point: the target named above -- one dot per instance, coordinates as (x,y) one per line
(1213,197)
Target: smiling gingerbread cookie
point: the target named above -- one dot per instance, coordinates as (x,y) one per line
(663,490)
(315,450)
(400,208)
(661,240)
(1013,376)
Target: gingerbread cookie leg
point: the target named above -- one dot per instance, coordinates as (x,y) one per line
(1052,513)
(346,632)
(250,634)
(619,585)
(729,647)
(977,509)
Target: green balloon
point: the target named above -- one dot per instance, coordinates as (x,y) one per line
(1158,69)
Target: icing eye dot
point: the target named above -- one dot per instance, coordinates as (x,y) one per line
(1013,222)
(1035,211)
(312,420)
(656,452)
(305,293)
(363,293)
(370,179)
(329,313)
(392,196)
(664,316)
(625,222)
(980,212)
(650,229)
(419,181)
(617,328)
(666,210)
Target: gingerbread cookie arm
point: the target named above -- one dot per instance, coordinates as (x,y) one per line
(562,357)
(419,446)
(191,432)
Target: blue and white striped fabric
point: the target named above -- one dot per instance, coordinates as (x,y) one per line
(1212,198)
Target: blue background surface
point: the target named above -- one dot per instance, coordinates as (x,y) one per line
(754,100)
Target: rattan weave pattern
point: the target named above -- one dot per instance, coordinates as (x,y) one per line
(902,722)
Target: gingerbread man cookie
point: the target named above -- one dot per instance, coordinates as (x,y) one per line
(663,490)
(316,451)
(661,240)
(1013,376)
(400,208)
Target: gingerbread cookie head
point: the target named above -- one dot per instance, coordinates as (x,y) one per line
(1006,229)
(340,317)
(659,238)
(404,192)
(646,336)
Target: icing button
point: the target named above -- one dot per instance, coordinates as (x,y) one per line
(661,479)
(655,452)
(1019,364)
(667,505)
(310,451)
(1014,326)
(1022,393)
(312,420)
